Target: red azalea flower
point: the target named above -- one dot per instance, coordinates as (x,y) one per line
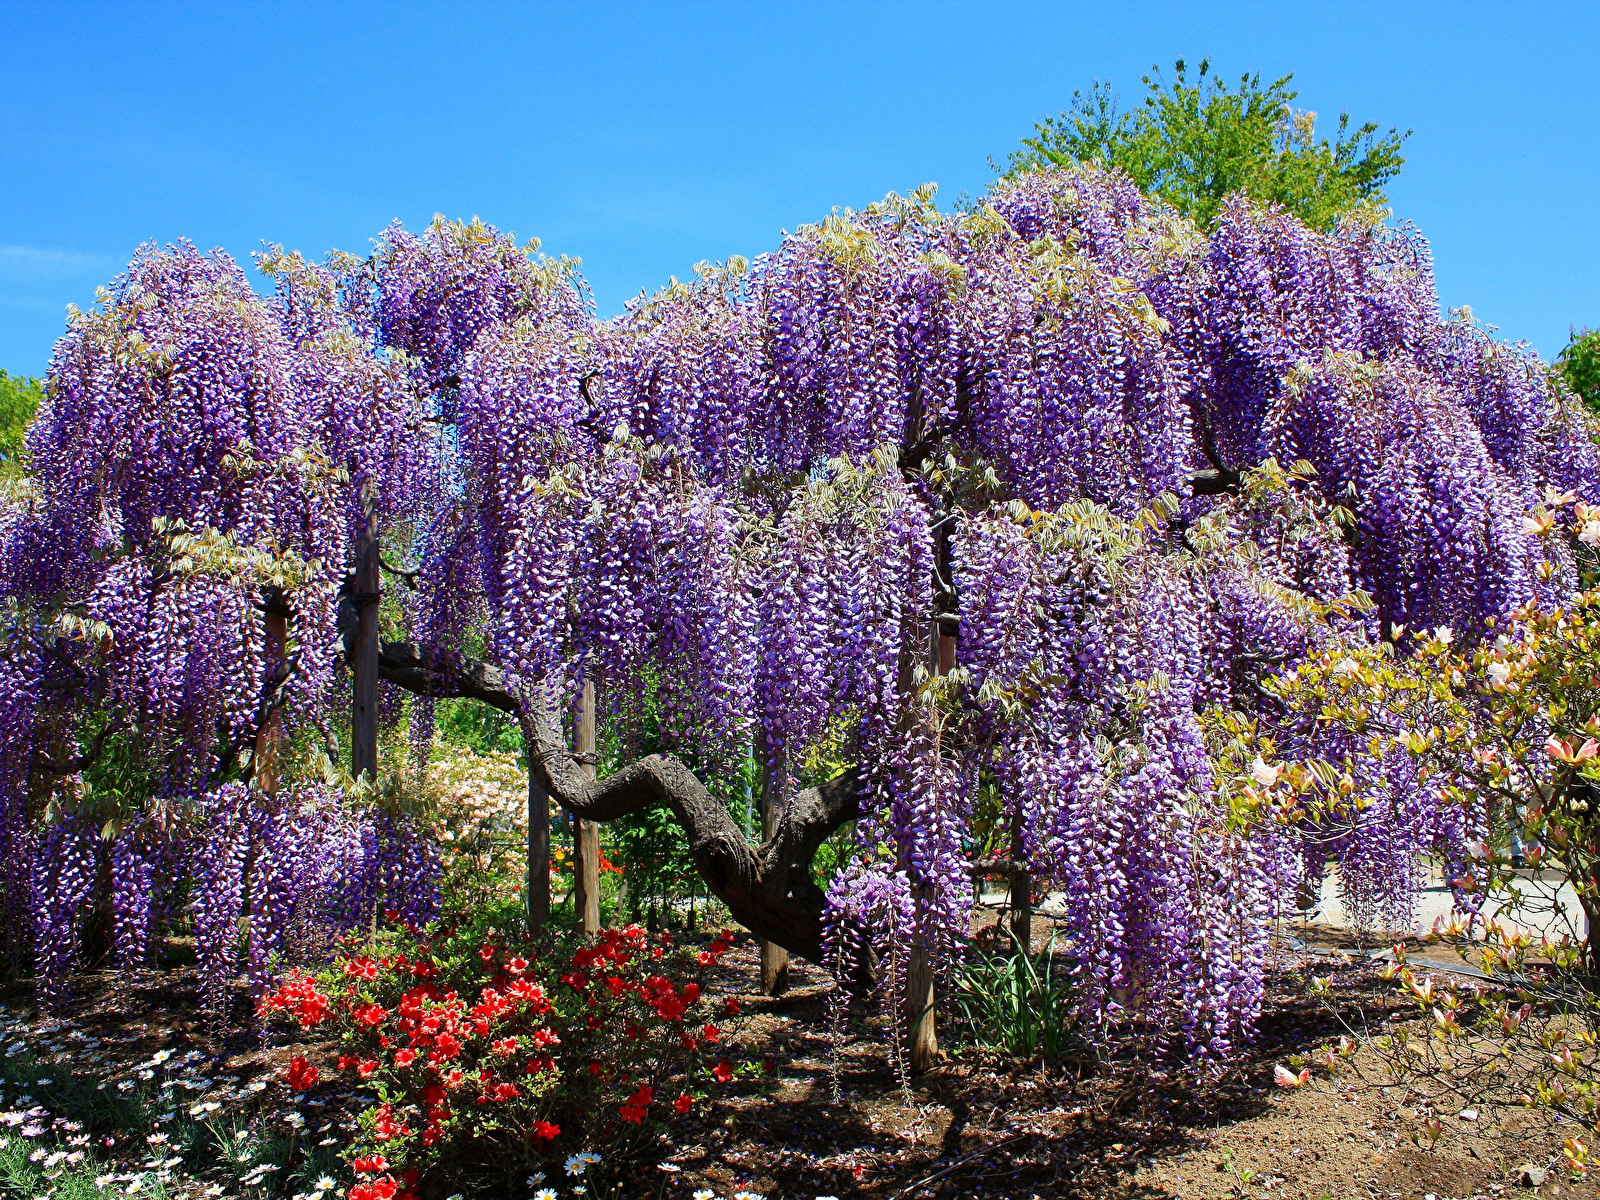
(455,1079)
(691,992)
(404,1058)
(385,1127)
(370,1165)
(346,1062)
(731,1007)
(371,1015)
(517,966)
(368,1068)
(302,1075)
(505,1047)
(710,1033)
(505,1091)
(544,1131)
(631,1114)
(683,1104)
(723,1070)
(486,952)
(597,1068)
(545,1037)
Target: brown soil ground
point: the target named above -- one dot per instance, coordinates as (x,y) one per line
(978,1125)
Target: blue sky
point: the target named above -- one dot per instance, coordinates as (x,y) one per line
(644,138)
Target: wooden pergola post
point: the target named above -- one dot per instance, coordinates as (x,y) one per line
(586,834)
(923,1035)
(368,589)
(268,755)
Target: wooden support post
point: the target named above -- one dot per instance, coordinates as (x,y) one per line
(364,668)
(1021,890)
(923,1036)
(586,834)
(920,998)
(268,754)
(774,958)
(538,852)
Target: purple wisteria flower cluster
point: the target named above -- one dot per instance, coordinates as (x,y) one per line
(1126,465)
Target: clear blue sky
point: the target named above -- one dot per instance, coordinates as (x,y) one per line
(646,137)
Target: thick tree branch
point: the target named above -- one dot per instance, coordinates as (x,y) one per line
(767,888)
(43,762)
(1221,478)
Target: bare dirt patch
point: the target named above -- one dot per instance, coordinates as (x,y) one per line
(978,1125)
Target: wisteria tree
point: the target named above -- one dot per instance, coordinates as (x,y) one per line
(1012,508)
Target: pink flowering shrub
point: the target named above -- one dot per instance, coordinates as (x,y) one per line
(524,1053)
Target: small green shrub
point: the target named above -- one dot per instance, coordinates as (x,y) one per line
(1020,1003)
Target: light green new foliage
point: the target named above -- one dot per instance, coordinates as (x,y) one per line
(1195,143)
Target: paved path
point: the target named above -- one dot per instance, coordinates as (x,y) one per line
(1550,907)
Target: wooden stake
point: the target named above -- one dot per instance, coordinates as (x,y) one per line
(774,958)
(586,834)
(1021,891)
(919,972)
(538,853)
(270,737)
(364,668)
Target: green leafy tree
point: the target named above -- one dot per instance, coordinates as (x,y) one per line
(1195,143)
(20,397)
(1579,365)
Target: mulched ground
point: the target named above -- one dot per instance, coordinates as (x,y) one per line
(977,1125)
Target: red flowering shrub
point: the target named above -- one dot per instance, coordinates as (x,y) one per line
(523,1054)
(302,1075)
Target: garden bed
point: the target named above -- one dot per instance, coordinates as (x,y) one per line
(154,1106)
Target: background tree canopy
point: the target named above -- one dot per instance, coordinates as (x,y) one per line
(20,397)
(1194,144)
(1579,365)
